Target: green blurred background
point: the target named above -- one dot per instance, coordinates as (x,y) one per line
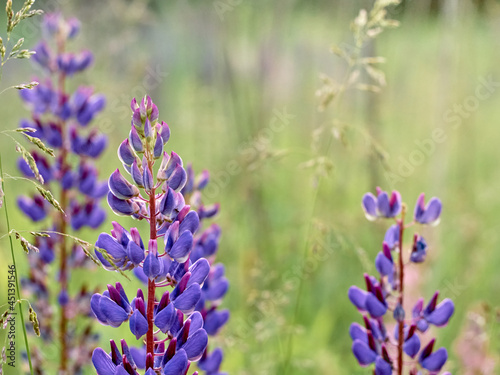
(222,74)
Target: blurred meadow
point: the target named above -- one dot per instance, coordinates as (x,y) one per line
(236,81)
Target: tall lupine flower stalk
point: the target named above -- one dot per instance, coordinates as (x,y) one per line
(173,330)
(61,120)
(372,341)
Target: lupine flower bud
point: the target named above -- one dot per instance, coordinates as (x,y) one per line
(158,149)
(136,174)
(135,140)
(148,130)
(152,266)
(147,178)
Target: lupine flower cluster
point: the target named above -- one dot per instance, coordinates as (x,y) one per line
(175,325)
(61,120)
(373,342)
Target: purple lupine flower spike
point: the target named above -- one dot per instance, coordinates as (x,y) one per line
(368,341)
(58,117)
(175,328)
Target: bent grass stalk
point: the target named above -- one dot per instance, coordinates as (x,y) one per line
(21,314)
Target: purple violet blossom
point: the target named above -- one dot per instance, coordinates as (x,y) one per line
(387,293)
(61,120)
(174,326)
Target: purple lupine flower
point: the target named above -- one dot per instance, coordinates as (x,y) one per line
(58,123)
(433,361)
(369,340)
(174,331)
(382,205)
(427,214)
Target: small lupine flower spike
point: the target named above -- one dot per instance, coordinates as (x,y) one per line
(176,326)
(386,293)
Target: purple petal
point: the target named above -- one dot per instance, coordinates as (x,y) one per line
(125,153)
(357,332)
(121,207)
(442,314)
(382,367)
(94,306)
(158,149)
(196,345)
(384,266)
(383,206)
(151,266)
(432,212)
(199,271)
(392,236)
(112,247)
(212,362)
(363,353)
(435,361)
(115,315)
(135,253)
(358,297)
(177,365)
(178,178)
(102,362)
(187,301)
(412,346)
(181,248)
(214,320)
(138,324)
(217,289)
(190,222)
(374,306)
(369,205)
(166,318)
